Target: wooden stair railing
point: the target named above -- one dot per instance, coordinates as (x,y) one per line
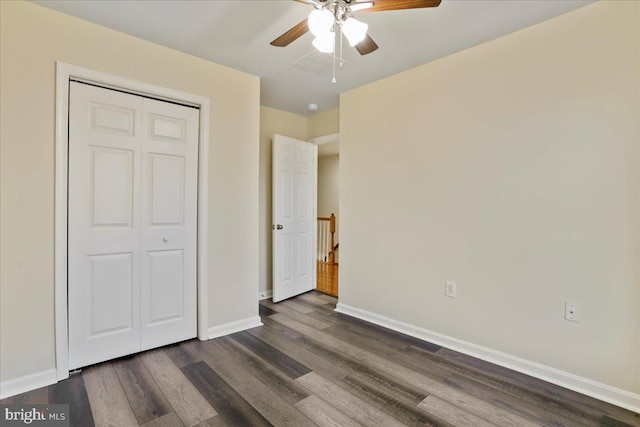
(326,239)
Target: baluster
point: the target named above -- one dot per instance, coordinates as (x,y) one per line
(319,229)
(332,230)
(324,241)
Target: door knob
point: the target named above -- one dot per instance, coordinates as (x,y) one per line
(278,227)
(165,239)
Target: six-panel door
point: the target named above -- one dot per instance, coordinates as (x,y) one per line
(294,216)
(132,223)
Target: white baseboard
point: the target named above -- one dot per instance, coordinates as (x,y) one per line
(233,327)
(600,391)
(30,382)
(265,294)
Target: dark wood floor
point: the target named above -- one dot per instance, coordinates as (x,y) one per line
(327,278)
(309,365)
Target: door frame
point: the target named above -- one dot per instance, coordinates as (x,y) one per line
(64,73)
(325,139)
(319,140)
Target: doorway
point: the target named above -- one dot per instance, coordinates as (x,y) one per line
(328,252)
(305,245)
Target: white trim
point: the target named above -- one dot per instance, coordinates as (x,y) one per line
(203,222)
(314,213)
(265,294)
(64,72)
(606,393)
(19,385)
(233,327)
(325,139)
(60,222)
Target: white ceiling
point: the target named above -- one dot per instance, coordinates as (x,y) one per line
(237,33)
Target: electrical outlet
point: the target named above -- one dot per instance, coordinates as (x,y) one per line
(572,311)
(450,289)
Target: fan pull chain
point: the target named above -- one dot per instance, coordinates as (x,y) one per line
(341,63)
(333,80)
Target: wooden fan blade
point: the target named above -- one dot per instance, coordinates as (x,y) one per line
(382,5)
(366,46)
(291,35)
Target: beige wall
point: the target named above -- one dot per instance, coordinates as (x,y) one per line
(513,169)
(32,39)
(272,122)
(325,123)
(328,174)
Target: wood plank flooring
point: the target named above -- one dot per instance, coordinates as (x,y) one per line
(309,365)
(327,278)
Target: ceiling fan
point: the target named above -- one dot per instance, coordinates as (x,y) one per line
(331,15)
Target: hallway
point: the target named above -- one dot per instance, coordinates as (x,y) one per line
(327,278)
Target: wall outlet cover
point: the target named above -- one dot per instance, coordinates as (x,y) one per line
(572,311)
(450,289)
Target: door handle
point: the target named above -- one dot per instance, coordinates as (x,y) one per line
(278,227)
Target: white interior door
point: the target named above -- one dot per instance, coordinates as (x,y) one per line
(132,223)
(294,216)
(169,222)
(104,225)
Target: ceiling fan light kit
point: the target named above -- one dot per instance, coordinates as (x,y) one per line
(323,22)
(325,43)
(320,22)
(354,30)
(329,13)
(334,16)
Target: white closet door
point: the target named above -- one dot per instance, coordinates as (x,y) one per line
(169,222)
(132,223)
(104,224)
